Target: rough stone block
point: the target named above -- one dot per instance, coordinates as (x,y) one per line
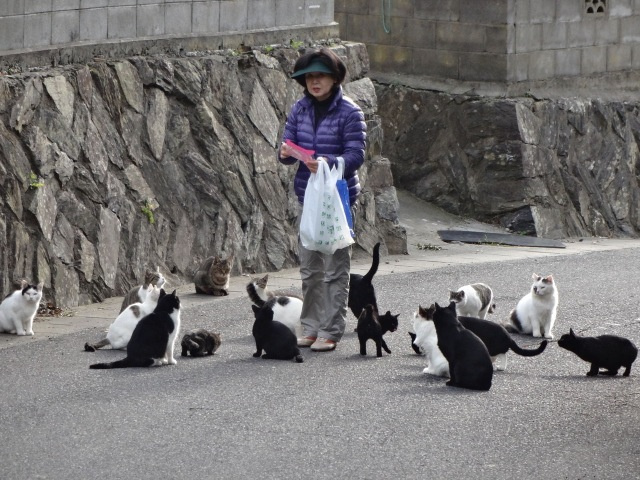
(496,39)
(528,38)
(483,67)
(318,13)
(635,56)
(233,15)
(399,8)
(206,17)
(594,60)
(261,14)
(491,12)
(518,67)
(12,7)
(568,62)
(542,65)
(582,34)
(619,58)
(57,5)
(65,27)
(636,7)
(459,37)
(390,58)
(542,11)
(36,6)
(37,29)
(523,11)
(150,20)
(446,10)
(121,22)
(360,29)
(554,35)
(122,3)
(630,30)
(177,18)
(94,3)
(607,31)
(435,63)
(420,33)
(289,12)
(569,10)
(93,24)
(621,8)
(350,6)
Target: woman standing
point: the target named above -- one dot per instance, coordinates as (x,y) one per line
(332,125)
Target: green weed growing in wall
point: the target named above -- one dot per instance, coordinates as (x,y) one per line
(35,181)
(147,209)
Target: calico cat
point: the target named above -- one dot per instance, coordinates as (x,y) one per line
(286,308)
(139,293)
(469,361)
(535,313)
(609,352)
(200,342)
(275,338)
(426,339)
(212,277)
(119,332)
(361,291)
(19,308)
(153,340)
(371,326)
(474,300)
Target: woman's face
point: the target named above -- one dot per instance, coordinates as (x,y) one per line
(319,85)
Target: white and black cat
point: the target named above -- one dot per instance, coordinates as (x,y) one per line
(535,313)
(153,340)
(18,309)
(609,352)
(276,339)
(361,290)
(425,338)
(474,300)
(200,342)
(212,277)
(286,308)
(119,332)
(372,326)
(470,365)
(139,293)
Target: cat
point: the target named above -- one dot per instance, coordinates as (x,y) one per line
(287,309)
(119,332)
(200,342)
(371,326)
(275,338)
(18,309)
(425,338)
(153,340)
(609,352)
(361,291)
(474,300)
(535,313)
(212,277)
(138,294)
(470,365)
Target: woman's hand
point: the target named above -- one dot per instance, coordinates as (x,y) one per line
(285,150)
(312,163)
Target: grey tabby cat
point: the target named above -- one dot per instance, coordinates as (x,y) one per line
(200,342)
(212,277)
(138,294)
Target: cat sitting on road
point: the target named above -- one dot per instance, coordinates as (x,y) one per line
(213,276)
(474,300)
(535,313)
(119,332)
(139,293)
(153,340)
(19,308)
(609,352)
(200,342)
(286,308)
(426,339)
(275,338)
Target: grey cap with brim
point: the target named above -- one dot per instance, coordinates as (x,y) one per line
(313,67)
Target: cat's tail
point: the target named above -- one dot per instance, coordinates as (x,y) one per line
(513,325)
(124,363)
(374,264)
(528,353)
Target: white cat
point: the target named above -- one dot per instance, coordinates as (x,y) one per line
(427,340)
(535,313)
(475,300)
(18,309)
(286,308)
(122,327)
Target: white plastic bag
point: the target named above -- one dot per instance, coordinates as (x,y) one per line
(323,225)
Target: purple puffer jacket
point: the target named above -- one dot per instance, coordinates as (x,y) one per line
(341,133)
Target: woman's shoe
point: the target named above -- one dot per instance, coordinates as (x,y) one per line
(306,341)
(323,345)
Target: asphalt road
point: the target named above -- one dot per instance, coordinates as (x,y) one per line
(338,415)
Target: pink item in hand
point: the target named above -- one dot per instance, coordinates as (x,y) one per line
(300,153)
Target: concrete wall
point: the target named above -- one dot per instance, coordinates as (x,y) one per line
(495,40)
(39,24)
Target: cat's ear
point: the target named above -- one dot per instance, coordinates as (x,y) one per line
(23,283)
(452,306)
(549,278)
(571,332)
(535,276)
(173,293)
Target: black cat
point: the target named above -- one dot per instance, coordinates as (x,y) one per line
(361,291)
(609,352)
(371,326)
(153,340)
(200,342)
(469,361)
(276,339)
